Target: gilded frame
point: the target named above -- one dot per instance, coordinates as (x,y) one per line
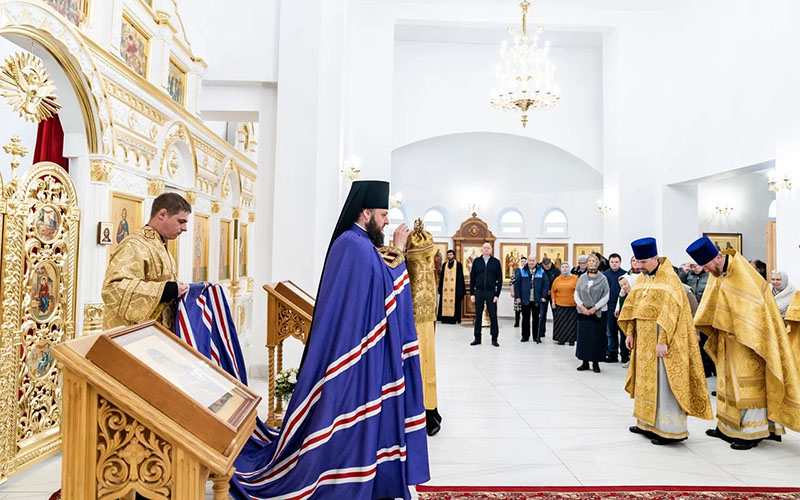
(726,241)
(510,253)
(144,34)
(579,249)
(180,69)
(226,244)
(130,222)
(200,247)
(242,251)
(547,249)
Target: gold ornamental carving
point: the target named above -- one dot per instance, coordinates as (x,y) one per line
(155,187)
(24,81)
(191,197)
(130,457)
(250,284)
(100,170)
(92,318)
(251,217)
(17,151)
(216,207)
(290,324)
(236,213)
(39,267)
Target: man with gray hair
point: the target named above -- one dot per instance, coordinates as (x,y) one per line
(581,267)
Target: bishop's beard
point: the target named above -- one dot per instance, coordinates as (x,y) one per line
(375,232)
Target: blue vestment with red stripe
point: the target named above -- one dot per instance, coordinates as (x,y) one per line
(355,426)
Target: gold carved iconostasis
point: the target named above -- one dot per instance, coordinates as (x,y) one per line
(98,132)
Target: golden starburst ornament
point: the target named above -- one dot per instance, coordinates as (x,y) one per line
(24,81)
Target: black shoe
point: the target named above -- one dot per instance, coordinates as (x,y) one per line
(716,433)
(744,444)
(612,358)
(516,325)
(625,359)
(524,340)
(494,343)
(713,393)
(561,343)
(584,366)
(661,441)
(432,424)
(572,343)
(596,367)
(436,415)
(637,430)
(774,437)
(475,342)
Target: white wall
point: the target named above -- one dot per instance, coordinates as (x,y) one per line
(443,88)
(238,39)
(750,199)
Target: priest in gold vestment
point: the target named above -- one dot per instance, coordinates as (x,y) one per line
(420,253)
(140,282)
(665,376)
(793,325)
(758,382)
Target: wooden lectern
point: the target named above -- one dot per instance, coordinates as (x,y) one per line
(289,313)
(145,412)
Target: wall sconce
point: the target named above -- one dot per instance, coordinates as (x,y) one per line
(604,209)
(726,210)
(778,182)
(473,208)
(396,200)
(351,167)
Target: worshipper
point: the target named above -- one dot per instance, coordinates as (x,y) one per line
(758,382)
(665,376)
(540,291)
(634,270)
(517,305)
(581,267)
(521,291)
(616,339)
(782,290)
(591,295)
(759,266)
(420,253)
(626,282)
(360,367)
(485,282)
(603,266)
(141,283)
(697,279)
(451,290)
(565,314)
(551,272)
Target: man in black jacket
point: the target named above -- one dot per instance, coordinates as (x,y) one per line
(485,282)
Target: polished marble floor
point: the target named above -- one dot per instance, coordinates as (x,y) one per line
(521,414)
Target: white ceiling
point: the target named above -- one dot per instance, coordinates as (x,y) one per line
(492,35)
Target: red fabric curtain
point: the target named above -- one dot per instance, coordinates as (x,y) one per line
(50,143)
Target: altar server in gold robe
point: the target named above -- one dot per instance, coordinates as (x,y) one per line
(141,283)
(420,253)
(758,382)
(793,325)
(665,376)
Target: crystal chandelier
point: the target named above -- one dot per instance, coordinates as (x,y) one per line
(525,73)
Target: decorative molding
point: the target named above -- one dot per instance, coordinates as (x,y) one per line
(236,213)
(134,102)
(24,81)
(250,284)
(155,187)
(251,217)
(191,197)
(101,170)
(92,318)
(216,207)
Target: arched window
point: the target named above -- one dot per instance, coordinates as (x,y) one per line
(396,217)
(511,222)
(554,223)
(434,221)
(773,210)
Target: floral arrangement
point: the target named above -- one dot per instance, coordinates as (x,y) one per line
(285,383)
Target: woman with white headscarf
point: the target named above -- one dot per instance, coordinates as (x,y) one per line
(782,290)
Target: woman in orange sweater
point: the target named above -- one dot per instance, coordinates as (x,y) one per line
(565,313)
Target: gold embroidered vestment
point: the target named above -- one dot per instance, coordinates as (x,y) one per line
(748,342)
(135,278)
(657,311)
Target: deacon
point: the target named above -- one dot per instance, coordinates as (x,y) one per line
(355,426)
(140,282)
(422,273)
(452,289)
(758,382)
(665,376)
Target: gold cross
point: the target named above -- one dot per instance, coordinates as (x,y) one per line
(17,151)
